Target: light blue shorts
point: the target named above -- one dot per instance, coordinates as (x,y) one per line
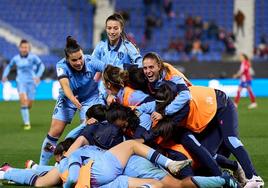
(139,167)
(105,169)
(65,110)
(29,88)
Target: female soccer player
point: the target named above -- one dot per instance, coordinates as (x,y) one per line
(210,106)
(157,72)
(116,80)
(29,70)
(107,165)
(107,170)
(117,50)
(78,90)
(245,81)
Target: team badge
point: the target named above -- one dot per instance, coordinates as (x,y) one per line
(120,55)
(60,71)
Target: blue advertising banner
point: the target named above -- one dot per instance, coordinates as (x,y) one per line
(48,89)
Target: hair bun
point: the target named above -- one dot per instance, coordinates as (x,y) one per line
(70,42)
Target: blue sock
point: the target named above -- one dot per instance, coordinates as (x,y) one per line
(201,153)
(157,158)
(21,176)
(47,149)
(42,169)
(226,163)
(204,182)
(74,133)
(25,115)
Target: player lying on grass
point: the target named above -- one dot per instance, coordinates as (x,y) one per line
(106,166)
(136,167)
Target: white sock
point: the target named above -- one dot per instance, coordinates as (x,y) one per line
(167,162)
(2,175)
(34,166)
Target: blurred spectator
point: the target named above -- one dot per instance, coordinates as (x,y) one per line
(168,8)
(196,49)
(153,8)
(176,44)
(189,34)
(239,18)
(94,6)
(150,23)
(198,22)
(189,21)
(213,29)
(131,38)
(198,27)
(205,48)
(262,49)
(228,39)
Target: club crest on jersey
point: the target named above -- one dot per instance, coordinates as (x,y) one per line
(88,74)
(60,71)
(120,55)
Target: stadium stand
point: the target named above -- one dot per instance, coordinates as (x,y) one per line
(49,22)
(261,28)
(164,28)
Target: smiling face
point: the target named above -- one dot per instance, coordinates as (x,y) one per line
(24,49)
(76,60)
(113,30)
(151,69)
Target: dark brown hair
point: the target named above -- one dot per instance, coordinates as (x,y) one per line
(115,76)
(71,46)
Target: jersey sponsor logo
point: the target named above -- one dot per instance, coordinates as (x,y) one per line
(209,100)
(120,55)
(60,71)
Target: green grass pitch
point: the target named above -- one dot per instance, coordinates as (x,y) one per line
(17,145)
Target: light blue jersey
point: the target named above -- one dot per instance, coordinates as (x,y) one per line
(106,166)
(137,167)
(82,82)
(183,93)
(83,86)
(28,68)
(136,98)
(121,55)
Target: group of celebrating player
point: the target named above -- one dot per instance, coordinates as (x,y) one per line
(127,103)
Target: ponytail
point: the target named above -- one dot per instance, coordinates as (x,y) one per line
(71,46)
(115,76)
